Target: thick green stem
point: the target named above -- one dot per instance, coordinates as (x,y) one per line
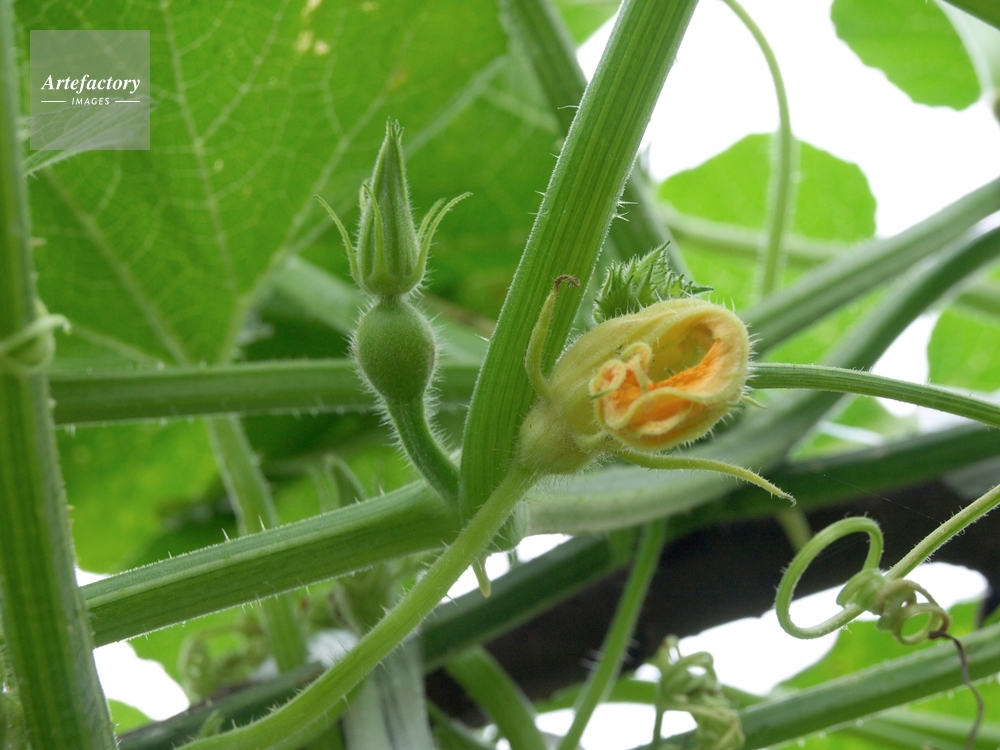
(255,512)
(835,379)
(579,205)
(781,200)
(45,629)
(537,25)
(314,708)
(740,242)
(870,691)
(274,387)
(616,641)
(498,695)
(422,447)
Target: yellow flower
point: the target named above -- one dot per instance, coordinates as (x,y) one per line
(636,385)
(675,383)
(650,380)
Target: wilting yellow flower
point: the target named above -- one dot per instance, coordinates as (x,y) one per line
(651,380)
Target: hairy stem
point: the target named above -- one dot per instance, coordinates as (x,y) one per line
(839,380)
(312,710)
(255,512)
(422,447)
(45,630)
(498,695)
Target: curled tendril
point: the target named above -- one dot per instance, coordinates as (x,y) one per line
(689,683)
(893,599)
(30,350)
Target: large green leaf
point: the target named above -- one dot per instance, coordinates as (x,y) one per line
(257,112)
(914,44)
(963,351)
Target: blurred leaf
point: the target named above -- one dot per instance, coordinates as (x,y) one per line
(176,240)
(126,717)
(834,201)
(584,17)
(914,44)
(122,480)
(164,645)
(963,351)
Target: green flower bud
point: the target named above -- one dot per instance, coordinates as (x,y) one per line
(391,254)
(394,345)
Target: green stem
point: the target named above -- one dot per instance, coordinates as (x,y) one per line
(851,275)
(616,641)
(894,683)
(741,242)
(954,525)
(782,188)
(45,630)
(579,205)
(522,593)
(498,695)
(408,521)
(255,512)
(552,53)
(414,520)
(835,379)
(310,711)
(278,387)
(423,449)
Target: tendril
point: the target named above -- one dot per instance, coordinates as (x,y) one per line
(970,740)
(689,684)
(31,349)
(893,599)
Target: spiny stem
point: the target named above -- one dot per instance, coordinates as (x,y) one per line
(314,708)
(46,633)
(255,512)
(968,515)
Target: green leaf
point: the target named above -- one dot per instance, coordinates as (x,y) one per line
(963,351)
(834,200)
(178,240)
(123,480)
(914,44)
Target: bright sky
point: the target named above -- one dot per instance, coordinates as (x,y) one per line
(917,159)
